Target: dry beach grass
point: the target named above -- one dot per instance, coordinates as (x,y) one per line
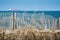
(29,34)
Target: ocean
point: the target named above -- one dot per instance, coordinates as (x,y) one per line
(34,18)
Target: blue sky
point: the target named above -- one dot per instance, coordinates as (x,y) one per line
(30,5)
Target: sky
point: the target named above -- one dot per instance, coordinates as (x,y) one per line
(28,5)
